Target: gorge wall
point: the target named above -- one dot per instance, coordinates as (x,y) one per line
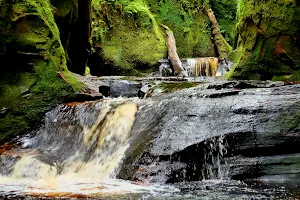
(268,40)
(33,74)
(127,38)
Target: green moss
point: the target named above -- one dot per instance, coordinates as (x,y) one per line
(172,87)
(87,71)
(263,27)
(33,62)
(131,40)
(295,77)
(26,110)
(279,78)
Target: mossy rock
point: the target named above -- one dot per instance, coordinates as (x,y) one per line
(33,66)
(126,38)
(170,87)
(268,34)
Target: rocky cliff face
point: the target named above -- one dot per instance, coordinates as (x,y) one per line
(33,70)
(268,40)
(73,18)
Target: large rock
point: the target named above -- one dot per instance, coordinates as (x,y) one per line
(126,38)
(32,59)
(268,40)
(197,134)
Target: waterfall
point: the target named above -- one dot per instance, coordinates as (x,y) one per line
(79,144)
(201,66)
(215,166)
(99,148)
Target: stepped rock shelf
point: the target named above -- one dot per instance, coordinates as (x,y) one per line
(209,135)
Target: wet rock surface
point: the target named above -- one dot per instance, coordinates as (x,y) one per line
(217,130)
(197,134)
(124,88)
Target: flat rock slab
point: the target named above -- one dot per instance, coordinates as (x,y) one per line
(187,127)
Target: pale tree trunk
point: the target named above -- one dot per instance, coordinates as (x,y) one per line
(172,52)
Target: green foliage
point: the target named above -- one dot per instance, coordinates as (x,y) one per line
(189,24)
(130,37)
(32,66)
(225,12)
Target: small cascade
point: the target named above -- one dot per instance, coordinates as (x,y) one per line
(79,144)
(215,166)
(201,66)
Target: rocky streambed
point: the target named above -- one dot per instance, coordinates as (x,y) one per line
(227,130)
(201,129)
(196,138)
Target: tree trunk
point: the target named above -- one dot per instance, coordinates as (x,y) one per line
(172,52)
(221,44)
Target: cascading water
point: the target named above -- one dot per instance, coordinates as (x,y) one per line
(78,149)
(181,138)
(201,66)
(215,166)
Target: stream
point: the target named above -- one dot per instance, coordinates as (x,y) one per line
(217,140)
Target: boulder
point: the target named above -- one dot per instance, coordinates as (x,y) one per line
(195,134)
(123,88)
(33,72)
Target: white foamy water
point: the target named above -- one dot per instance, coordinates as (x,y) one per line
(77,152)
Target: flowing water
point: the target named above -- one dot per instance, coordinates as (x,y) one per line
(78,151)
(206,66)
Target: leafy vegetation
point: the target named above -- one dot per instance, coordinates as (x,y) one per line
(128,35)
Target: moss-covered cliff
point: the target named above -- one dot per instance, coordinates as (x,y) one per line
(189,23)
(127,38)
(268,40)
(33,65)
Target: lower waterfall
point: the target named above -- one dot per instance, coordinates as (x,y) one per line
(190,144)
(76,152)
